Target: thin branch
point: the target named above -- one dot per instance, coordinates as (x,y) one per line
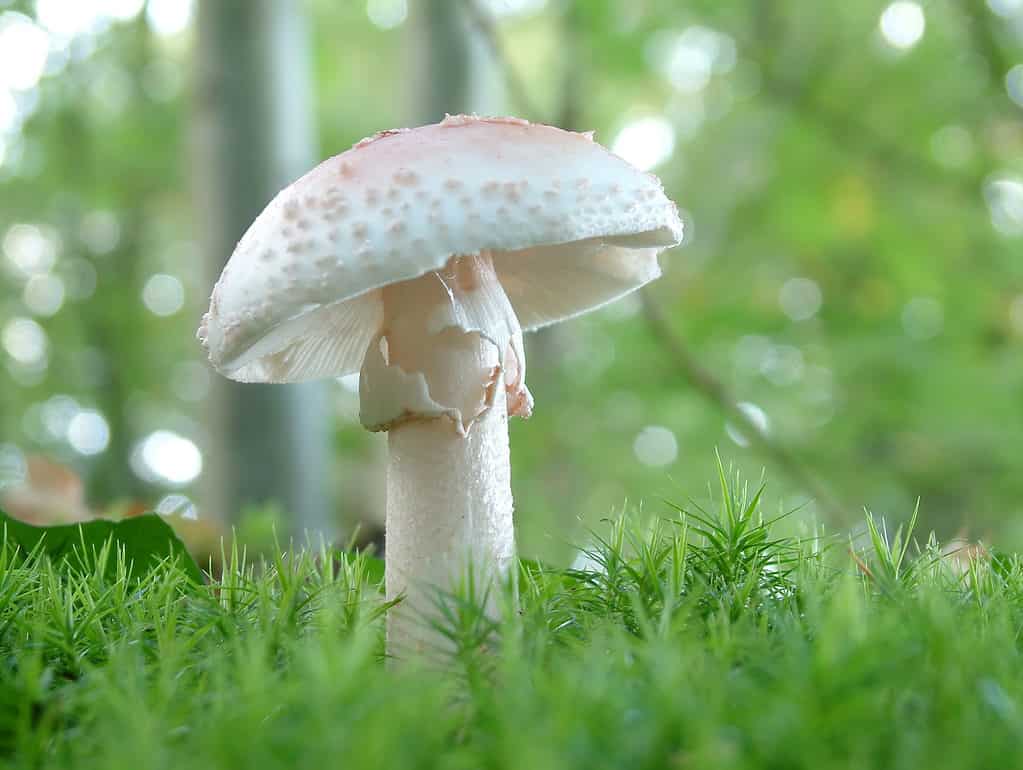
(714,390)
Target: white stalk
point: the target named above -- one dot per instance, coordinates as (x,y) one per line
(442,377)
(449,511)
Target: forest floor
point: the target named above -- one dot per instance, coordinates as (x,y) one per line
(701,640)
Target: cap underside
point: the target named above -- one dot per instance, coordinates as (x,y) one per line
(545,284)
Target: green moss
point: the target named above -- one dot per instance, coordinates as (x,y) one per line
(700,639)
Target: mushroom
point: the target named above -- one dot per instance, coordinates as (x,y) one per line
(417,259)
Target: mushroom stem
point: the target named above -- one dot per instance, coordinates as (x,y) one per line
(449,515)
(442,376)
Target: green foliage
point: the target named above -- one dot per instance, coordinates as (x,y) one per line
(815,152)
(706,639)
(133,545)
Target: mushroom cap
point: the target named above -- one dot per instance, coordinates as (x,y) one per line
(571,226)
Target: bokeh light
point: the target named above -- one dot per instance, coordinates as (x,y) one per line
(88,432)
(1006,8)
(56,414)
(68,19)
(44,294)
(513,7)
(655,446)
(757,416)
(169,17)
(168,458)
(163,294)
(177,505)
(1004,196)
(24,340)
(645,142)
(800,298)
(100,231)
(783,364)
(30,249)
(387,14)
(902,24)
(1014,84)
(23,50)
(13,465)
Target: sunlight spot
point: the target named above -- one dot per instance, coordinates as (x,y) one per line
(13,466)
(164,456)
(1014,84)
(100,231)
(24,47)
(177,505)
(28,375)
(800,298)
(783,365)
(387,14)
(8,112)
(902,24)
(30,250)
(1006,8)
(56,414)
(88,432)
(756,415)
(645,142)
(688,61)
(655,446)
(1004,196)
(69,18)
(169,17)
(163,294)
(514,7)
(923,318)
(44,294)
(122,10)
(689,58)
(25,341)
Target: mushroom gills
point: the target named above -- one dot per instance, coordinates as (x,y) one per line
(448,340)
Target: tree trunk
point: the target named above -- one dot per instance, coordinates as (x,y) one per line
(254,134)
(452,68)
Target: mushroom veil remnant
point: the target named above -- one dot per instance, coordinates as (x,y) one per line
(418,258)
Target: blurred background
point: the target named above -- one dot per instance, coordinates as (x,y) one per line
(846,313)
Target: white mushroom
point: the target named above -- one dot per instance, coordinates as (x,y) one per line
(418,258)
